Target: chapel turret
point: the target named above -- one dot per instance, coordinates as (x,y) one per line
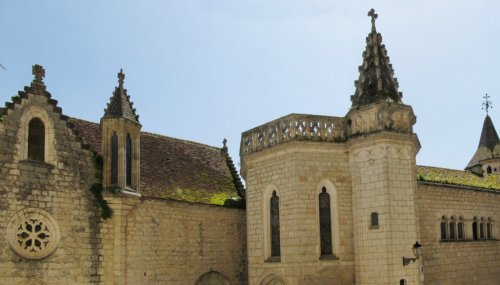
(382,150)
(121,141)
(487,156)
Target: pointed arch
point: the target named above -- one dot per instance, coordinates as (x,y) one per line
(128,161)
(273,279)
(327,220)
(271,224)
(114,159)
(212,278)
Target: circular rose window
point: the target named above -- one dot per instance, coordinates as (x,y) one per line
(33,233)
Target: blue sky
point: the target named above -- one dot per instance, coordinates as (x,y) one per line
(207,70)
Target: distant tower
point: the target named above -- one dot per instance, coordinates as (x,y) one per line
(487,156)
(382,151)
(121,142)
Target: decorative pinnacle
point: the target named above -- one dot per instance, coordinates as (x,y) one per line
(39,73)
(487,104)
(374,16)
(121,78)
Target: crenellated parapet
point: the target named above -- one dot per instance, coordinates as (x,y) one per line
(293,127)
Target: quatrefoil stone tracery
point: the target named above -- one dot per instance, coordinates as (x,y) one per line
(33,233)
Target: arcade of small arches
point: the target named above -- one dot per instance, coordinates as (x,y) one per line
(454,228)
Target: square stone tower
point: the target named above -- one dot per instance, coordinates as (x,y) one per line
(332,200)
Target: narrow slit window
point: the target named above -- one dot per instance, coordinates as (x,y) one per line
(325,223)
(114,159)
(275,225)
(374,219)
(481,230)
(128,160)
(36,140)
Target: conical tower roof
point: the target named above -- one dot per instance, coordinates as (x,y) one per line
(488,143)
(489,136)
(120,105)
(376,81)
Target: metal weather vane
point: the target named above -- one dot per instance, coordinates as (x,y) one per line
(487,104)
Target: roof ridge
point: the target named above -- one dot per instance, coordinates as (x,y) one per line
(156,134)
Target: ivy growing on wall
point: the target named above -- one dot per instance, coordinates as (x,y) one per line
(96,189)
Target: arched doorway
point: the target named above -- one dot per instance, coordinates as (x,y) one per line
(212,278)
(272,280)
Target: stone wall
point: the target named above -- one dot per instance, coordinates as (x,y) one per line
(458,262)
(297,171)
(382,167)
(170,242)
(49,229)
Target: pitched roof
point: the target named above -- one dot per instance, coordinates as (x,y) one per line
(457,177)
(488,143)
(174,168)
(376,81)
(120,105)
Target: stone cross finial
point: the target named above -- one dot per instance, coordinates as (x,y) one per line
(374,16)
(224,146)
(39,73)
(487,104)
(121,78)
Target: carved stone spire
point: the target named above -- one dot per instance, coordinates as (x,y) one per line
(120,105)
(376,81)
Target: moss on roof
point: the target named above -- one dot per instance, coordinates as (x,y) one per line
(175,169)
(457,177)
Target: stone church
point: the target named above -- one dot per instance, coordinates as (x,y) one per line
(327,200)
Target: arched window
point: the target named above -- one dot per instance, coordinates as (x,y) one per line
(481,229)
(489,229)
(475,235)
(325,223)
(452,228)
(488,169)
(114,159)
(275,225)
(460,227)
(443,227)
(128,159)
(36,140)
(374,220)
(402,282)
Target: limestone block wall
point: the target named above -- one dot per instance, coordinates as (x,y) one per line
(297,171)
(458,262)
(170,242)
(383,182)
(49,225)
